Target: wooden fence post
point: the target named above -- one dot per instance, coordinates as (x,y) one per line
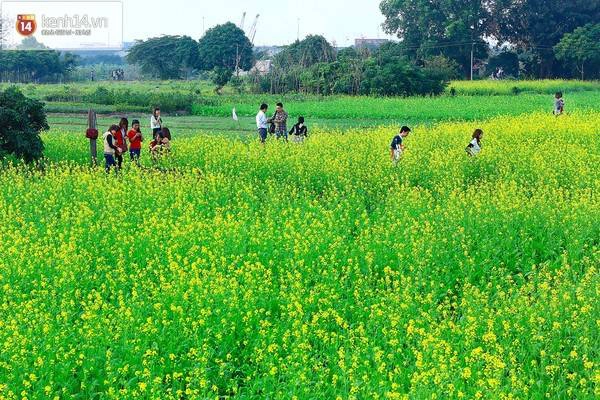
(93,140)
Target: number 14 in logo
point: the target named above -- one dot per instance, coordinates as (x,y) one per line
(26,24)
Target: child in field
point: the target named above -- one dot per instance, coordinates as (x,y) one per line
(397,146)
(559,104)
(299,131)
(159,146)
(135,141)
(474,147)
(110,147)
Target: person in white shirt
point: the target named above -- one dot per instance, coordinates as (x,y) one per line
(474,147)
(559,104)
(110,147)
(155,122)
(262,123)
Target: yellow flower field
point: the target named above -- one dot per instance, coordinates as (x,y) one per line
(312,271)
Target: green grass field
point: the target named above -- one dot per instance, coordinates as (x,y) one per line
(232,270)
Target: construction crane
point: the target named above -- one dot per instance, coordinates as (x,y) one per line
(252,31)
(241,26)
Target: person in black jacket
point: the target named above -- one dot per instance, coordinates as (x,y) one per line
(299,131)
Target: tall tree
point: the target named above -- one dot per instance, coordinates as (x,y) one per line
(582,47)
(538,25)
(21,121)
(225,46)
(166,57)
(452,28)
(304,53)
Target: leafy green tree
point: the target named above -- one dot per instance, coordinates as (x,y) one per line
(444,27)
(582,47)
(35,66)
(21,121)
(507,60)
(220,76)
(225,46)
(311,50)
(538,25)
(166,57)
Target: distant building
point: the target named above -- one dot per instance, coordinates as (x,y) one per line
(369,43)
(261,67)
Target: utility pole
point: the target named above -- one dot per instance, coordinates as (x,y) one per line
(203,28)
(298,33)
(472,50)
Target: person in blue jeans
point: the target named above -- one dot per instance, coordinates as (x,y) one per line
(110,147)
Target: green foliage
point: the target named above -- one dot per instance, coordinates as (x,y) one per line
(311,50)
(447,27)
(507,60)
(385,72)
(582,47)
(225,47)
(538,25)
(21,121)
(220,76)
(313,271)
(35,66)
(166,57)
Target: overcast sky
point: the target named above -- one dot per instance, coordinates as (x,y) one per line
(338,20)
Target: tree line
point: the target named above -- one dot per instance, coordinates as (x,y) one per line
(438,40)
(531,29)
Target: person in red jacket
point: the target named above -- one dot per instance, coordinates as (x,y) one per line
(120,138)
(135,141)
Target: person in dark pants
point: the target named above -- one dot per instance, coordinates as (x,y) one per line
(262,123)
(110,148)
(280,120)
(121,139)
(135,141)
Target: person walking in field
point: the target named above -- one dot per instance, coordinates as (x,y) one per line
(280,120)
(110,147)
(474,147)
(121,140)
(299,131)
(155,122)
(397,147)
(262,122)
(135,141)
(559,104)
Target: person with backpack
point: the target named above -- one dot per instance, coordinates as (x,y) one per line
(110,147)
(299,131)
(135,141)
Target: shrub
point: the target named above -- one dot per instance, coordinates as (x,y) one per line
(21,121)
